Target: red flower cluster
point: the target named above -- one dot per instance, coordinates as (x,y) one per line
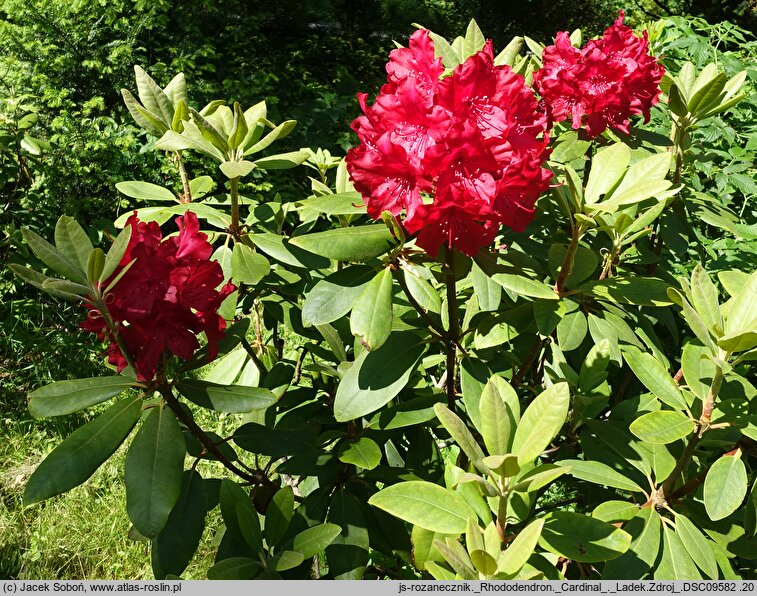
(461,154)
(604,83)
(166,297)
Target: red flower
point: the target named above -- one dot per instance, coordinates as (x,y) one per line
(603,84)
(456,154)
(167,296)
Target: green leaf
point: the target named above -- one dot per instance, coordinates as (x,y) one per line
(423,292)
(371,320)
(239,516)
(236,568)
(281,161)
(348,554)
(474,40)
(65,397)
(424,504)
(571,331)
(525,287)
(697,546)
(348,244)
(615,511)
(607,168)
(654,376)
(345,203)
(594,368)
(599,473)
(334,340)
(95,265)
(742,316)
(510,52)
(725,487)
(115,253)
(541,422)
(521,549)
(174,547)
(335,295)
(278,515)
(144,118)
(72,241)
(675,562)
(662,427)
(278,132)
(460,433)
(584,264)
(582,538)
(282,250)
(53,258)
(247,266)
(645,528)
(488,292)
(145,191)
(153,471)
(694,321)
(82,452)
(500,412)
(285,560)
(152,96)
(232,399)
(236,169)
(704,298)
(314,540)
(378,376)
(363,453)
(548,315)
(641,291)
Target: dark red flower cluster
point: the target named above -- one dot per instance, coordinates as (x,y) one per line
(461,155)
(167,296)
(604,83)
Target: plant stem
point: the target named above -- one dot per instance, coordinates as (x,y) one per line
(234,192)
(570,256)
(453,334)
(255,477)
(187,196)
(520,375)
(701,427)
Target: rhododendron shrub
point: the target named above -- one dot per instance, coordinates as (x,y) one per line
(460,155)
(166,293)
(604,83)
(380,412)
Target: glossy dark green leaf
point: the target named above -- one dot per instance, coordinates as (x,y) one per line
(82,452)
(423,292)
(654,376)
(645,528)
(424,504)
(599,473)
(662,427)
(348,553)
(239,516)
(236,568)
(676,563)
(145,191)
(275,442)
(248,266)
(283,250)
(363,453)
(594,367)
(541,422)
(65,397)
(524,286)
(696,545)
(345,203)
(115,253)
(314,540)
(348,244)
(53,258)
(335,295)
(641,291)
(585,262)
(571,330)
(278,515)
(72,241)
(378,376)
(153,471)
(582,538)
(371,319)
(458,430)
(232,399)
(174,547)
(725,487)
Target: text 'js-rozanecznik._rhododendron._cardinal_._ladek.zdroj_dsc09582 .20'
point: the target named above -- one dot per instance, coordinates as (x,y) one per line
(463,154)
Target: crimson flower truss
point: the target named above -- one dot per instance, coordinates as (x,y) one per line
(166,297)
(460,154)
(601,85)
